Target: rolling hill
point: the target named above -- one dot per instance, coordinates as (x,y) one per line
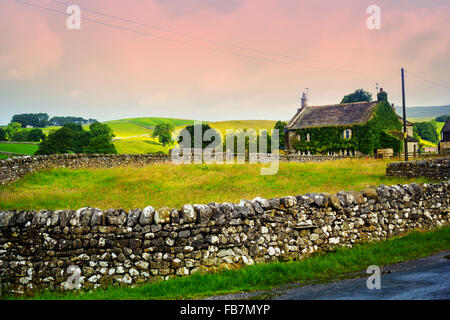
(424,113)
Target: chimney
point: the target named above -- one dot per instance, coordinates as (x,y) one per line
(304,100)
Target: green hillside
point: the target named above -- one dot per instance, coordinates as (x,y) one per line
(151,122)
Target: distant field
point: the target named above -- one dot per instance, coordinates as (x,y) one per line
(175,185)
(28,149)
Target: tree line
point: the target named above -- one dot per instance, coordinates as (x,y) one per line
(41,120)
(13,132)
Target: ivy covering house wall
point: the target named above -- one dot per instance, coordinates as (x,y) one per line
(366,138)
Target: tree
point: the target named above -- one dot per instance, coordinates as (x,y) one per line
(12,128)
(427,131)
(31,119)
(72,137)
(60,121)
(100,139)
(57,142)
(204,127)
(280,125)
(21,136)
(3,136)
(163,132)
(36,135)
(358,96)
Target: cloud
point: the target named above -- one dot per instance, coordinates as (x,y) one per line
(28,46)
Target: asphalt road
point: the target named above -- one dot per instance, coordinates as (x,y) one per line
(420,279)
(424,282)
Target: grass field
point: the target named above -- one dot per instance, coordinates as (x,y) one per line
(175,185)
(139,145)
(28,149)
(318,267)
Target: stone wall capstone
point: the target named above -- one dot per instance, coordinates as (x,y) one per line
(432,168)
(45,249)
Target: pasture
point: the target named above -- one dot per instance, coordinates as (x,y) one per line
(28,149)
(175,185)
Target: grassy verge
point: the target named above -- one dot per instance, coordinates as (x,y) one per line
(176,185)
(265,276)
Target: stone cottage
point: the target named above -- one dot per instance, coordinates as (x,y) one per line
(358,128)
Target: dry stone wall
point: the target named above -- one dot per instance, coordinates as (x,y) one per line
(91,248)
(433,168)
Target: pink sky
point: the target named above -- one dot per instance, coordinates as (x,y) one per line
(107,73)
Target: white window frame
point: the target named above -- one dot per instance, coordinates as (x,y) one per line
(347,132)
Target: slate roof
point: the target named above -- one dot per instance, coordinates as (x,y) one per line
(400,135)
(446,127)
(332,115)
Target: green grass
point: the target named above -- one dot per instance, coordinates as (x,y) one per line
(3,156)
(139,146)
(319,267)
(28,149)
(175,185)
(127,129)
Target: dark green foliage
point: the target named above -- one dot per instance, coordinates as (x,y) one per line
(3,136)
(57,142)
(280,125)
(204,127)
(163,132)
(358,96)
(20,136)
(389,141)
(442,118)
(75,127)
(11,129)
(72,137)
(366,138)
(36,135)
(382,96)
(426,130)
(100,139)
(61,121)
(31,119)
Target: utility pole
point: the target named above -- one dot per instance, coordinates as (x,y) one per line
(405,134)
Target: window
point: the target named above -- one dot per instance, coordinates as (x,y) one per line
(308,137)
(347,134)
